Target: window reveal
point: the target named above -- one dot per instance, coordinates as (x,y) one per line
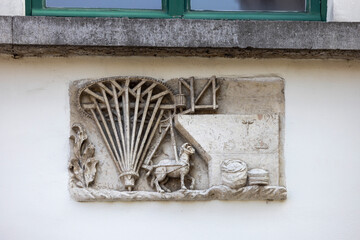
(309,10)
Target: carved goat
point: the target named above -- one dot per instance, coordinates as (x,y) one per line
(169,168)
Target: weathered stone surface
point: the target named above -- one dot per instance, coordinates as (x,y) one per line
(65,51)
(6,30)
(61,36)
(253,139)
(213,193)
(5,34)
(185,33)
(184,139)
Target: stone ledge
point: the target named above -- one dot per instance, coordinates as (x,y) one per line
(62,36)
(5,30)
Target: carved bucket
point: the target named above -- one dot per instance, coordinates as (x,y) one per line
(234,173)
(180,100)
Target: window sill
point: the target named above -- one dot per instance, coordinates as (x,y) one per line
(63,36)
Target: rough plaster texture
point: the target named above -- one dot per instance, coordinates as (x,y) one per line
(321,149)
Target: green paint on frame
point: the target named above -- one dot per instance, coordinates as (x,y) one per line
(316,11)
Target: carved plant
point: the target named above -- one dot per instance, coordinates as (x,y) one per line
(83,165)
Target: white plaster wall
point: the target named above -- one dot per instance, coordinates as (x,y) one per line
(321,150)
(343,10)
(12,7)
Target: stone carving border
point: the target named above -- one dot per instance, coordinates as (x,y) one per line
(243,183)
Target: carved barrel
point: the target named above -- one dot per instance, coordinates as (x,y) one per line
(258,177)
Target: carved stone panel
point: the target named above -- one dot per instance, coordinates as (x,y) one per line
(180,139)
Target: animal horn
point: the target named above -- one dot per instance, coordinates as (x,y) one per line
(185,145)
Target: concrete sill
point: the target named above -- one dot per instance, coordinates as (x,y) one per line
(63,36)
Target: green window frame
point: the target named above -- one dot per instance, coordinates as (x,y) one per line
(315,11)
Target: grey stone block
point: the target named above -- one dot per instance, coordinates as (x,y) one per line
(61,36)
(5,30)
(185,33)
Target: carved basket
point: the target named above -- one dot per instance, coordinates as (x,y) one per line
(234,173)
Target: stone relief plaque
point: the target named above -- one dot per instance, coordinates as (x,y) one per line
(139,138)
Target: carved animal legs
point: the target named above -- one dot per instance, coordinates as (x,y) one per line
(160,176)
(162,185)
(192,185)
(183,187)
(157,185)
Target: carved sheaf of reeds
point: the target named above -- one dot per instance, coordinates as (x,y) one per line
(127,113)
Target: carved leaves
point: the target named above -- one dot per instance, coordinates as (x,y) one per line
(90,170)
(83,165)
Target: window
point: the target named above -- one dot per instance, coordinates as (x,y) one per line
(311,10)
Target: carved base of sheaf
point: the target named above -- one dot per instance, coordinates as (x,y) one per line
(267,193)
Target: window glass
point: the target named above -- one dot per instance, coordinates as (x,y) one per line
(133,4)
(249,5)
